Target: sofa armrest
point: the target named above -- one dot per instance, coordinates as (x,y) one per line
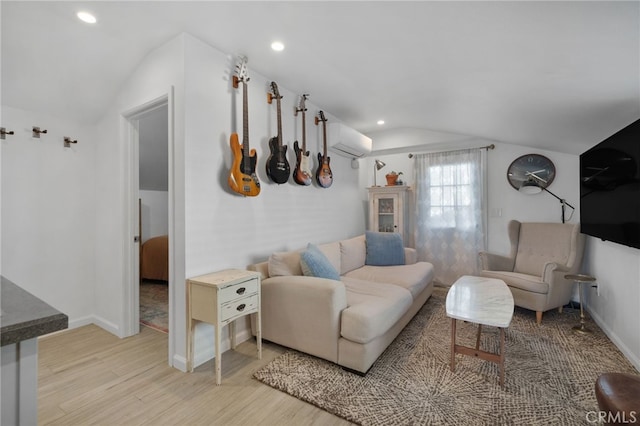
(410,256)
(262,267)
(303,313)
(495,262)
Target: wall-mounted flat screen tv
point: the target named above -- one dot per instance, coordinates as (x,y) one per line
(610,188)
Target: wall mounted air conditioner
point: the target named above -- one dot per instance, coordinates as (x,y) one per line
(348,142)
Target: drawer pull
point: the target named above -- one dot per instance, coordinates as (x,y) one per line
(241,290)
(241,307)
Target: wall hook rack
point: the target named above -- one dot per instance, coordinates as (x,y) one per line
(68,141)
(37,131)
(4,132)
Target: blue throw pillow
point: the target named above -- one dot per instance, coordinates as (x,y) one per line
(315,264)
(384,249)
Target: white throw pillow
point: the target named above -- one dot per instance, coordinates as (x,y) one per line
(284,264)
(354,253)
(332,251)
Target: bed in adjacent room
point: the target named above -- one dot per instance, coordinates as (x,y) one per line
(154,259)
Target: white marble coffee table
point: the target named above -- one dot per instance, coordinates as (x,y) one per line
(482,301)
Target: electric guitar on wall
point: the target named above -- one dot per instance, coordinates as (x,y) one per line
(278,168)
(324,176)
(302,172)
(242,177)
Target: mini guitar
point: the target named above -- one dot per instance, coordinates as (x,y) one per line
(242,177)
(278,168)
(302,172)
(324,176)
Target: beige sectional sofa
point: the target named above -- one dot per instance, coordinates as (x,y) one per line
(349,322)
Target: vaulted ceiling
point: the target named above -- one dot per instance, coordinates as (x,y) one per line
(554,75)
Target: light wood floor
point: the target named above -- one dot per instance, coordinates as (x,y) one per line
(88,376)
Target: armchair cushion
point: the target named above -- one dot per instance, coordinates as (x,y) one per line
(525,282)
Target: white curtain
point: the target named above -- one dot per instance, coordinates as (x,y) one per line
(451,211)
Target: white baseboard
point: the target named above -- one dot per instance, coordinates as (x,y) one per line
(633,358)
(81,322)
(87,320)
(180,363)
(107,325)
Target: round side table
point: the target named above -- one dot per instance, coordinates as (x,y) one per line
(580,279)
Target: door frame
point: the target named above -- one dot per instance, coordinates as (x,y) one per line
(131,288)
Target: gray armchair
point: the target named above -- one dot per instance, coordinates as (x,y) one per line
(541,255)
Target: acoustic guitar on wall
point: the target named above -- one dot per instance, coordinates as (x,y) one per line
(278,168)
(242,177)
(302,172)
(324,176)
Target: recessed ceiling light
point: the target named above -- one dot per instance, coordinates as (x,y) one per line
(277,46)
(87,17)
(380,122)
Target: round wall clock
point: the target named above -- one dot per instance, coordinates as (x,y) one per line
(534,167)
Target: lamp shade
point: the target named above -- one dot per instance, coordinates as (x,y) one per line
(380,164)
(530,187)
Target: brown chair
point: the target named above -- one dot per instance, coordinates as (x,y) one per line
(541,255)
(618,396)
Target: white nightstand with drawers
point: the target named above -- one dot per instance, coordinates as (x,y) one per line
(220,298)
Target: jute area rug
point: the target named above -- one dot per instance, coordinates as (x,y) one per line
(549,377)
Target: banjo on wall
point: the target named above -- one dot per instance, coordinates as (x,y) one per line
(531,168)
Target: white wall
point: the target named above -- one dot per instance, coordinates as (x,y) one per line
(160,74)
(48,213)
(226,230)
(155,213)
(617,272)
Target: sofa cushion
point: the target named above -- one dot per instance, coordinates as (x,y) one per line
(526,282)
(384,248)
(332,251)
(353,253)
(372,309)
(315,264)
(414,277)
(284,263)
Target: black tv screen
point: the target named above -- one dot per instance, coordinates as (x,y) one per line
(610,188)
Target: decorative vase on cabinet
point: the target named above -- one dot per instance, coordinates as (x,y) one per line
(389,210)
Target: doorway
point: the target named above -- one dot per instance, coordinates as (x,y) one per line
(153,218)
(150,206)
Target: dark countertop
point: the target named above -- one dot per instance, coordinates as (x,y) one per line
(24,316)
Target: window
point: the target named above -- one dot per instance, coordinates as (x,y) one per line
(449,227)
(450,196)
